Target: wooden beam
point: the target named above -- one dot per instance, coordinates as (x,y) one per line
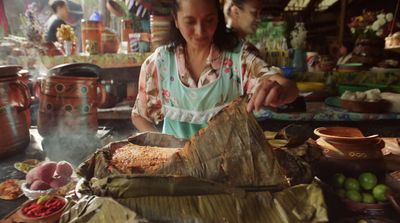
(342,18)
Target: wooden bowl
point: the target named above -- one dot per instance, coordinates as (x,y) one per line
(54,217)
(381,106)
(369,209)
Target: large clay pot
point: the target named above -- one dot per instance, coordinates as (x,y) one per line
(68,100)
(14,102)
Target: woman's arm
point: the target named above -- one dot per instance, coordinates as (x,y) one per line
(148,107)
(266,84)
(142,124)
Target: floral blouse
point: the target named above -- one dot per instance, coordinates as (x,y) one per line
(148,102)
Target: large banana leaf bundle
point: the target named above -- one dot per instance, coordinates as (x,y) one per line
(185,199)
(231,150)
(226,173)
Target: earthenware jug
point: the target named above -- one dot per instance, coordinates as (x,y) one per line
(14,102)
(68,98)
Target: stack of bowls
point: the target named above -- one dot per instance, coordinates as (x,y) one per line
(160,28)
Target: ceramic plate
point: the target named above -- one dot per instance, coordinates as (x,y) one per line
(11,189)
(26,165)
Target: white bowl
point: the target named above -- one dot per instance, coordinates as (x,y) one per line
(34,194)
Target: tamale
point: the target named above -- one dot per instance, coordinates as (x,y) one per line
(231,150)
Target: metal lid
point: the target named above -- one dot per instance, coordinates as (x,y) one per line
(75,70)
(9,70)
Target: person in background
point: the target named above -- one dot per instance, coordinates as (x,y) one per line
(60,10)
(345,52)
(242,16)
(204,68)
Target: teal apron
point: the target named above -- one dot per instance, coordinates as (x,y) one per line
(187,110)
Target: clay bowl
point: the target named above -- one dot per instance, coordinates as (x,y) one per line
(381,106)
(352,151)
(54,217)
(344,135)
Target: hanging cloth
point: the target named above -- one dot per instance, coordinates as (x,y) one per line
(3,18)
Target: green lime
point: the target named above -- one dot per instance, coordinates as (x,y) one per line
(379,192)
(367,180)
(341,193)
(368,198)
(351,184)
(354,195)
(338,180)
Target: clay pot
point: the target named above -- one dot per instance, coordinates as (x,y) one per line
(91,36)
(347,151)
(110,92)
(126,28)
(109,41)
(68,100)
(14,102)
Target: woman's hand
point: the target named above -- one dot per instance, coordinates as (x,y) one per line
(273,91)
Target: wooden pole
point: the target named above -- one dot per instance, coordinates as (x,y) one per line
(104,12)
(342,22)
(394,17)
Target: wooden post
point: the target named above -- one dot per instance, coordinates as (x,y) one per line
(342,21)
(104,12)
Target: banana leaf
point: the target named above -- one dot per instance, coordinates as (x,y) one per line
(92,209)
(128,186)
(301,203)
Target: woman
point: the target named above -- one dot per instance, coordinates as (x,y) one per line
(243,16)
(203,69)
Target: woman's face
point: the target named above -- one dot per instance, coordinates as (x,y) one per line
(247,17)
(197,21)
(63,12)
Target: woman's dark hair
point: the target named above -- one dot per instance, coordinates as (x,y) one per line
(57,4)
(224,39)
(238,3)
